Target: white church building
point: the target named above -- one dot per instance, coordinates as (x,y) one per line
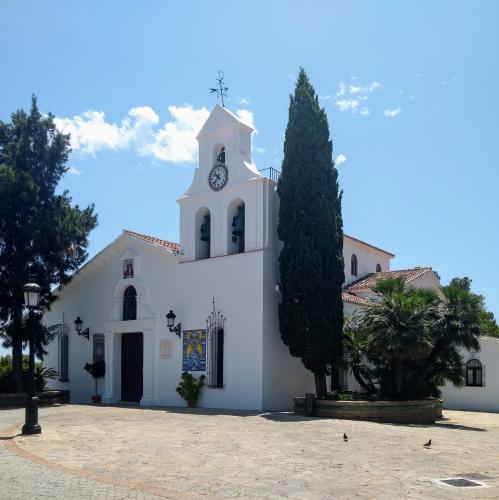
(218,287)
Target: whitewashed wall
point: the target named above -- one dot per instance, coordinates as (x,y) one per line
(367,258)
(484,398)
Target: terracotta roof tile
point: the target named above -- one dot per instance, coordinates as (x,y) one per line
(369,280)
(173,247)
(353,299)
(369,245)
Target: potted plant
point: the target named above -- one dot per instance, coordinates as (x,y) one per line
(97,370)
(190,387)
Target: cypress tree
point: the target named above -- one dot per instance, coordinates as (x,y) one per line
(43,236)
(311,230)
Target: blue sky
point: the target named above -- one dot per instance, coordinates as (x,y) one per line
(410,90)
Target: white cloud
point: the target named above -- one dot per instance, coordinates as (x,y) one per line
(347,104)
(74,171)
(354,89)
(243,100)
(352,95)
(176,141)
(341,158)
(325,97)
(342,90)
(260,150)
(246,117)
(90,132)
(139,131)
(392,112)
(290,76)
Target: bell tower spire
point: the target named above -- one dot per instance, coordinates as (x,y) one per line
(230,207)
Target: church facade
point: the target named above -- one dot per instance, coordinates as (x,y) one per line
(152,309)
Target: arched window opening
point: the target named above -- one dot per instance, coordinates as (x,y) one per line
(353,265)
(219,154)
(203,234)
(237,227)
(378,268)
(130,304)
(474,373)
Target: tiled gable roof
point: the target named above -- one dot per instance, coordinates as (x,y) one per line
(369,245)
(369,280)
(173,247)
(353,299)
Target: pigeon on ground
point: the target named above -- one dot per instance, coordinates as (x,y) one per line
(345,437)
(428,444)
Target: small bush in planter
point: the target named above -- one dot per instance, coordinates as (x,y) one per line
(190,387)
(97,370)
(43,375)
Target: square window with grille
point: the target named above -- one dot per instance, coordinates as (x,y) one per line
(127,268)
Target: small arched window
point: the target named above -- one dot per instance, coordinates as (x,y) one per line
(474,373)
(378,268)
(353,265)
(130,304)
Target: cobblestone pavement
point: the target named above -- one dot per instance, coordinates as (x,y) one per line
(122,452)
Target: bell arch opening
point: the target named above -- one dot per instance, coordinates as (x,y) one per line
(236,227)
(219,154)
(203,234)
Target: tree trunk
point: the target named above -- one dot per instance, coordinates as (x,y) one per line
(398,376)
(320,385)
(17,363)
(335,378)
(17,348)
(368,386)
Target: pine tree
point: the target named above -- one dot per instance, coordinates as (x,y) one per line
(311,229)
(43,237)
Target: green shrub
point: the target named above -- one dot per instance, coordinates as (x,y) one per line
(97,370)
(190,387)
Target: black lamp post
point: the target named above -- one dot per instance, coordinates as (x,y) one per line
(31,299)
(170,321)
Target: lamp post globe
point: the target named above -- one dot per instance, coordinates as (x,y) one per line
(31,301)
(170,319)
(78,324)
(31,295)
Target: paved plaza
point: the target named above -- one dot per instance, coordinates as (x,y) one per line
(131,452)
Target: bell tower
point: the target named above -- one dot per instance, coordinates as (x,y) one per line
(229,207)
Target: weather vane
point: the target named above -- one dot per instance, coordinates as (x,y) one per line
(220,89)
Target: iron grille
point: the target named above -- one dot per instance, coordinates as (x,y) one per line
(271,173)
(215,338)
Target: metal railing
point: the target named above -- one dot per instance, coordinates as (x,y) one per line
(271,173)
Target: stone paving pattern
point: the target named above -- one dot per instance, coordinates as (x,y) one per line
(130,452)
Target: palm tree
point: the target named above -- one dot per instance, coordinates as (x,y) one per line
(409,340)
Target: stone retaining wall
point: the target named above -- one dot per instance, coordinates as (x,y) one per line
(425,411)
(16,400)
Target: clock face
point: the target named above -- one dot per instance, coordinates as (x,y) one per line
(218,177)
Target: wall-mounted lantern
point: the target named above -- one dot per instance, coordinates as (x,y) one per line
(170,322)
(78,327)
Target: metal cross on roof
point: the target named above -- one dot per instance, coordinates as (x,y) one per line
(220,88)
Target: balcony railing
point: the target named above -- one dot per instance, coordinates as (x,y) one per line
(271,173)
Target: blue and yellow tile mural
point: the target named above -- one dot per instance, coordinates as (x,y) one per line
(194,351)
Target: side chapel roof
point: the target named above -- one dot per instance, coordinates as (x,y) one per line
(369,280)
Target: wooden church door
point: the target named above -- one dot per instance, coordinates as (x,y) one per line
(132,355)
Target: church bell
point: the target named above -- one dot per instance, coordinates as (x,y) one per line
(238,222)
(205,229)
